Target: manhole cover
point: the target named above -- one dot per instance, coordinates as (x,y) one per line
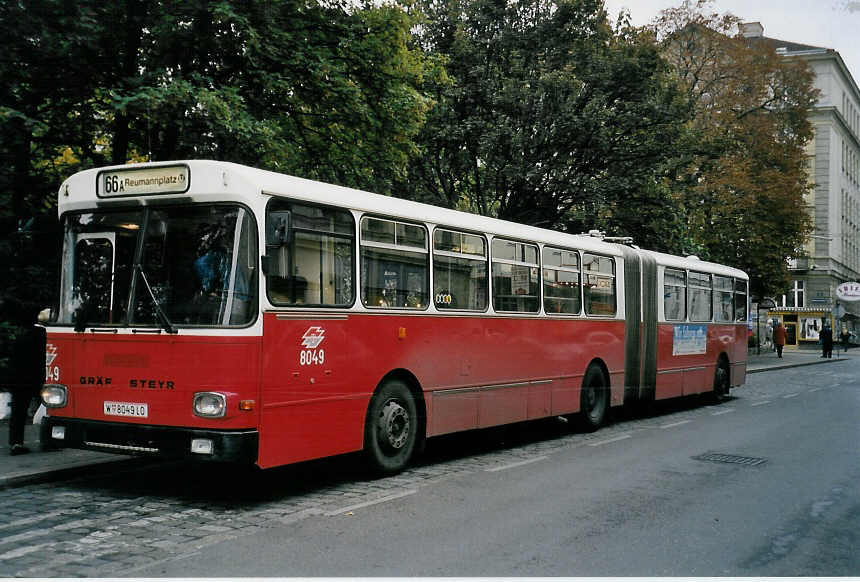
(733,459)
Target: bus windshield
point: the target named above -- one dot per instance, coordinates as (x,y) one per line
(164,267)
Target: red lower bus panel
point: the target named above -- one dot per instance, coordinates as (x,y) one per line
(320,372)
(161,372)
(683,375)
(312,375)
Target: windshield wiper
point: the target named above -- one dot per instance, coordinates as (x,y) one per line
(165,323)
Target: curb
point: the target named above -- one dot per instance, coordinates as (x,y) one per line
(72,470)
(796,365)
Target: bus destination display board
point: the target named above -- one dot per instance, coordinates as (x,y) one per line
(143,181)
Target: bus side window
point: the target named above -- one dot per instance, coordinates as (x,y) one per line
(309,251)
(599,284)
(740,300)
(674,295)
(394,264)
(723,299)
(700,297)
(515,277)
(459,271)
(562,284)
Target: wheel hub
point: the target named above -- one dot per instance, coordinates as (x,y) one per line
(394,424)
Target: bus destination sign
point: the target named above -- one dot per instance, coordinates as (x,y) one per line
(143,181)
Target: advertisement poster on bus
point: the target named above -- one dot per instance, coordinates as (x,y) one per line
(689,339)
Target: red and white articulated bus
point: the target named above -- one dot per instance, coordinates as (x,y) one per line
(215,311)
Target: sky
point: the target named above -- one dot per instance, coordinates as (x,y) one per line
(833,24)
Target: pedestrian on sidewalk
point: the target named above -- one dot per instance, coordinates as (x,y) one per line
(826,337)
(24,343)
(846,339)
(779,338)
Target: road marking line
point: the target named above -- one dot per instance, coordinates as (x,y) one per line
(32,520)
(791,395)
(676,424)
(349,508)
(612,440)
(760,403)
(517,464)
(719,412)
(817,389)
(23,551)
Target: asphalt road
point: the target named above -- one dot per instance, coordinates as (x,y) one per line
(779,496)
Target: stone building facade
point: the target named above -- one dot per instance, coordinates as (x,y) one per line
(833,250)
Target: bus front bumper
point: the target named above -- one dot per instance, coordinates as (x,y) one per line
(235,446)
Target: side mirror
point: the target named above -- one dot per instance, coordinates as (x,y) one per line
(279,227)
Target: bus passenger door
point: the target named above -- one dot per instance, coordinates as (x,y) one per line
(309,405)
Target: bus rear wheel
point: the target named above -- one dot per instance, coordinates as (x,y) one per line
(391,428)
(721,381)
(593,400)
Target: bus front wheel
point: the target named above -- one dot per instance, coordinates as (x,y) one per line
(391,428)
(593,399)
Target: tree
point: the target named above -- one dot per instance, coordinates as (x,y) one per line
(745,177)
(551,118)
(325,89)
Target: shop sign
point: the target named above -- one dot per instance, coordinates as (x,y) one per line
(848,292)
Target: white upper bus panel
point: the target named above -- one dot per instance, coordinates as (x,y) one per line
(695,264)
(211,181)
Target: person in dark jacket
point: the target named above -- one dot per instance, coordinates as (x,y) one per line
(25,372)
(826,337)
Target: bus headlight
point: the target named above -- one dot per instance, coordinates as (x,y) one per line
(54,395)
(210,404)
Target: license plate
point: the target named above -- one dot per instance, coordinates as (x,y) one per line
(126,409)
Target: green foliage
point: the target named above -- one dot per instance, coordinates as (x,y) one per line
(536,111)
(551,118)
(742,174)
(326,90)
(323,89)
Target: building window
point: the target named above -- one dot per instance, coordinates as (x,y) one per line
(795,297)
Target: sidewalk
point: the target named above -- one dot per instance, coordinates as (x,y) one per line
(41,466)
(793,358)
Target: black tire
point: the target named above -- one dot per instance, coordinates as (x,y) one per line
(722,379)
(593,400)
(391,428)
